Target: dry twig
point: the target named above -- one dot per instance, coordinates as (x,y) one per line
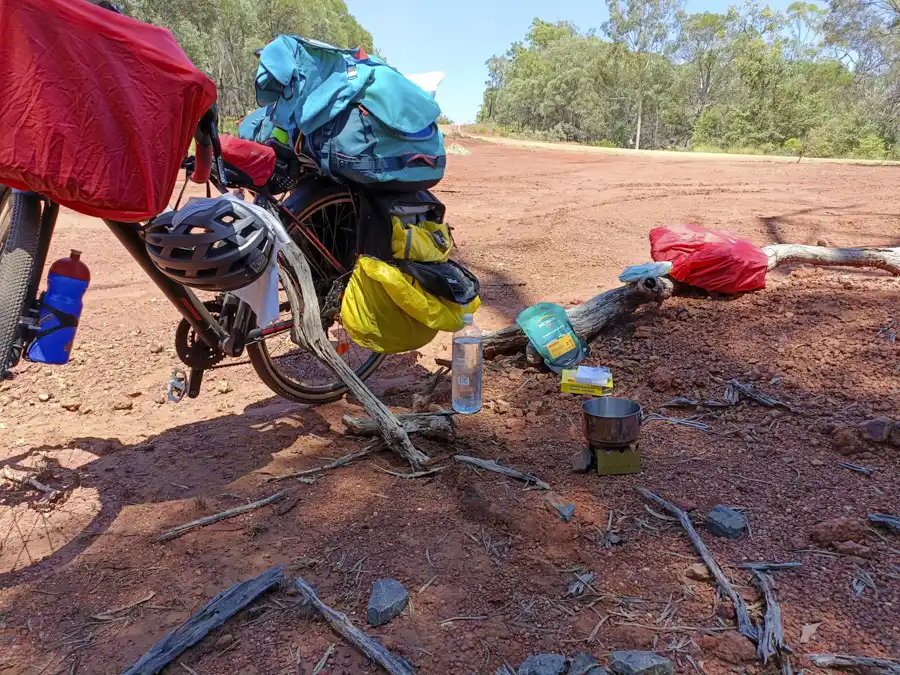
(771,639)
(745,625)
(343,461)
(859,664)
(341,625)
(491,465)
(209,520)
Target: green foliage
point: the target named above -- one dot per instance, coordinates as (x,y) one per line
(219,36)
(806,81)
(443,119)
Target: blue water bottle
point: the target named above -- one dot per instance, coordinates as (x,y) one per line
(67,281)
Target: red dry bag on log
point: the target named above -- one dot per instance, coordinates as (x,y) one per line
(97,110)
(714,260)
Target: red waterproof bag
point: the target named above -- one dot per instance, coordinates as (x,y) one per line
(97,110)
(714,260)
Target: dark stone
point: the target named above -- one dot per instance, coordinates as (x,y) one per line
(585,664)
(878,430)
(725,522)
(389,598)
(582,461)
(641,663)
(543,664)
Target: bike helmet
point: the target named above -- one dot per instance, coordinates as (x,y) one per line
(216,245)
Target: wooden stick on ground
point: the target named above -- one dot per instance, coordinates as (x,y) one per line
(343,461)
(342,626)
(176,532)
(886,520)
(25,478)
(437,425)
(745,625)
(308,334)
(858,664)
(771,639)
(212,615)
(769,566)
(413,476)
(491,465)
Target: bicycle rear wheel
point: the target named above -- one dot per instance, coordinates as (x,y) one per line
(20,230)
(292,372)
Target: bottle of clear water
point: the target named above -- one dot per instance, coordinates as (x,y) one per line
(468,362)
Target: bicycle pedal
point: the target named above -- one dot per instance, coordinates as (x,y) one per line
(177,386)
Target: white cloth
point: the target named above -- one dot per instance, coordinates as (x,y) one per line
(428,81)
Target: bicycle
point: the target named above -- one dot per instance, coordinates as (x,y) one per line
(321,217)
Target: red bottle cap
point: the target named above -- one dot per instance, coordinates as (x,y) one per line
(71,267)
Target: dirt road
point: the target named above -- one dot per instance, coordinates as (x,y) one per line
(535,226)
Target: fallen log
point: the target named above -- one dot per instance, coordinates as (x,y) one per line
(212,615)
(591,317)
(342,626)
(858,664)
(745,624)
(308,334)
(437,425)
(887,259)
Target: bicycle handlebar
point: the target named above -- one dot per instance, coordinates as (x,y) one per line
(207,142)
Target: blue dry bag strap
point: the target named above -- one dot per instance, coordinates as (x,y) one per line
(325,153)
(393,164)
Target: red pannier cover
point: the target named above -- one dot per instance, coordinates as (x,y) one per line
(715,260)
(254,159)
(97,110)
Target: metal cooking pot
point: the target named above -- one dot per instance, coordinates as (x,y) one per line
(611,422)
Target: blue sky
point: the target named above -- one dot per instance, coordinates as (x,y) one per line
(458,36)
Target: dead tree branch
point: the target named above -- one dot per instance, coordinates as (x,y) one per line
(857,664)
(745,625)
(308,333)
(491,465)
(432,425)
(342,461)
(887,259)
(25,478)
(771,639)
(342,626)
(176,532)
(212,615)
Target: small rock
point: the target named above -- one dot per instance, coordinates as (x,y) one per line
(515,424)
(852,548)
(662,379)
(134,393)
(518,412)
(698,572)
(160,399)
(43,397)
(157,349)
(223,387)
(730,647)
(565,511)
(582,460)
(72,405)
(643,332)
(388,599)
(536,406)
(225,641)
(817,462)
(836,530)
(641,663)
(878,430)
(543,664)
(515,374)
(125,404)
(725,522)
(502,406)
(531,416)
(585,664)
(847,441)
(630,637)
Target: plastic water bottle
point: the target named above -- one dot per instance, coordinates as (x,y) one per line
(67,282)
(468,362)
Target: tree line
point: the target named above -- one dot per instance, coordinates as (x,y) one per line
(220,36)
(814,81)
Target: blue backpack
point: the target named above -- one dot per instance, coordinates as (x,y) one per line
(361,120)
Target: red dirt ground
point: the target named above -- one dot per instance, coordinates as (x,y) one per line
(535,226)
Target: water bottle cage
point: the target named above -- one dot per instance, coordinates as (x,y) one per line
(64,320)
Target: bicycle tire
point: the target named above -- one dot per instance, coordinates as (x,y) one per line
(259,355)
(17,256)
